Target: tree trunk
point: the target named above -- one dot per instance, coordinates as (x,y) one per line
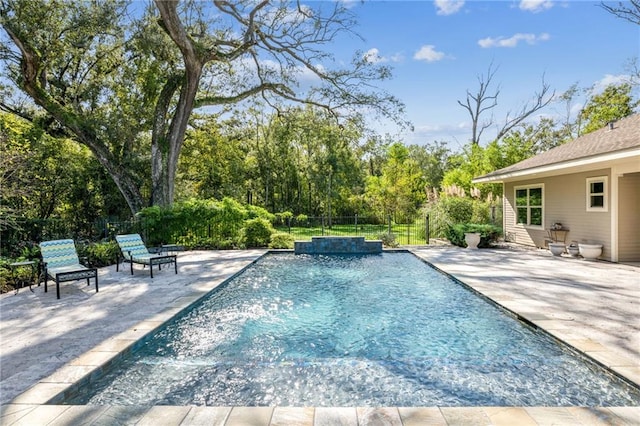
(167,144)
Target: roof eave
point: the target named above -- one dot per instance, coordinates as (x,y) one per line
(548,168)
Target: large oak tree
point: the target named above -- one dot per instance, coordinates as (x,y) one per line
(124,80)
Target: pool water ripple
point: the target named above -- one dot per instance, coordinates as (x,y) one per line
(376,330)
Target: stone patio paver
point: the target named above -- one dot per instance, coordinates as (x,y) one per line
(47,344)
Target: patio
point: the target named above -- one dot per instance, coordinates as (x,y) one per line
(48,344)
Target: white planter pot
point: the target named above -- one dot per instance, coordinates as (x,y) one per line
(574,251)
(556,248)
(472,239)
(590,251)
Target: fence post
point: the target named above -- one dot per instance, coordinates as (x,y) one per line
(427,230)
(356,224)
(408,233)
(389,218)
(289,224)
(322,225)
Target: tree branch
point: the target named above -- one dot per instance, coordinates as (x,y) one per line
(526,111)
(629,10)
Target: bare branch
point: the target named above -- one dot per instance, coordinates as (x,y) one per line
(481,102)
(629,10)
(541,100)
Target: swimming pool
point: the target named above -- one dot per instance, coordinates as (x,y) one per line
(376,330)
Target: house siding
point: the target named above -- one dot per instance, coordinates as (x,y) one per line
(564,202)
(629,218)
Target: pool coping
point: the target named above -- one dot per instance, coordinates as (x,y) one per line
(34,405)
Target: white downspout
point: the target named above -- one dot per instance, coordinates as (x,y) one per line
(613,204)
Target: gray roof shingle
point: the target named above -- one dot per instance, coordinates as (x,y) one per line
(624,135)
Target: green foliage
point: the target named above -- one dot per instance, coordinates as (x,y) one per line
(614,103)
(400,189)
(489,234)
(283,218)
(256,233)
(6,282)
(447,210)
(44,177)
(99,254)
(281,240)
(388,239)
(457,209)
(480,212)
(190,241)
(8,277)
(199,223)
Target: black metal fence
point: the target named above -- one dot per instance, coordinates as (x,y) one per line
(419,230)
(410,232)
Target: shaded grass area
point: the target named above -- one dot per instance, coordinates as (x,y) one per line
(406,234)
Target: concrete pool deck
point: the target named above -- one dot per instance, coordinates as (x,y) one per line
(48,345)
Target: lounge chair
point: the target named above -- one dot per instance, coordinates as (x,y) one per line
(60,261)
(134,251)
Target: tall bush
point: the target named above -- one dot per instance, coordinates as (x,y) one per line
(489,234)
(257,233)
(454,207)
(199,223)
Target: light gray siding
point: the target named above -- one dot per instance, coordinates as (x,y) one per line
(629,218)
(564,202)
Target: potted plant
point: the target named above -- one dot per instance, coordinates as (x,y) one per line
(573,249)
(590,251)
(556,248)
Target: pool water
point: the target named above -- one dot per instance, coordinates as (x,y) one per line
(370,330)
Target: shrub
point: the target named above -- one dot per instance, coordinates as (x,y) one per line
(281,240)
(458,210)
(489,234)
(194,242)
(481,212)
(99,254)
(256,232)
(6,282)
(388,239)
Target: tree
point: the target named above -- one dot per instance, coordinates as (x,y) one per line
(45,177)
(212,164)
(69,59)
(629,10)
(613,103)
(484,100)
(433,161)
(400,190)
(124,84)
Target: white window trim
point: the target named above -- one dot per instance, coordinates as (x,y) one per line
(515,189)
(605,194)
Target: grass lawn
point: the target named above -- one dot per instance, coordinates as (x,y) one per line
(406,234)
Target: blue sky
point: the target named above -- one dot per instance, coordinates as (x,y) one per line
(439,48)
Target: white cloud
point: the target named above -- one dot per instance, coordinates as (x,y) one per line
(608,80)
(513,40)
(535,6)
(398,57)
(428,53)
(373,56)
(448,7)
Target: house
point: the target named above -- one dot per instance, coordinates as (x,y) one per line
(590,185)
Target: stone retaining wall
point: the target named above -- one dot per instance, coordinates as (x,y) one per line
(337,245)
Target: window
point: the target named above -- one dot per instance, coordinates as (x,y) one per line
(529,206)
(597,194)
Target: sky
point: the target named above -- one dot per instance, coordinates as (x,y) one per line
(439,49)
